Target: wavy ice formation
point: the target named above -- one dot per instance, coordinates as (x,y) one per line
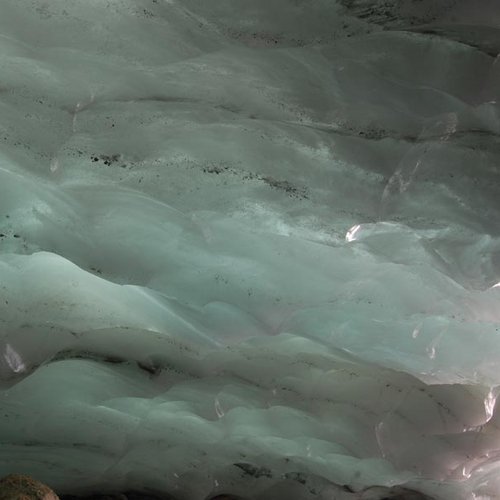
(251,246)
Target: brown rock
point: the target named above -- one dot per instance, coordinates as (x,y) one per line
(18,487)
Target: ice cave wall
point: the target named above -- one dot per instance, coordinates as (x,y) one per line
(251,247)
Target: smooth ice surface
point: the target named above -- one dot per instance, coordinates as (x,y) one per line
(251,246)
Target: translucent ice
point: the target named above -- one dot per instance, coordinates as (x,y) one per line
(251,247)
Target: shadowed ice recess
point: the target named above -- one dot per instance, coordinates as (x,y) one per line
(251,247)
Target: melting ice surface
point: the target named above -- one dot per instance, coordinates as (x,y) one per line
(251,246)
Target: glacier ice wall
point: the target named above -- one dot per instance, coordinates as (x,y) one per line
(251,246)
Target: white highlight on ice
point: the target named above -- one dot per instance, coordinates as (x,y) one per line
(14,360)
(351,234)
